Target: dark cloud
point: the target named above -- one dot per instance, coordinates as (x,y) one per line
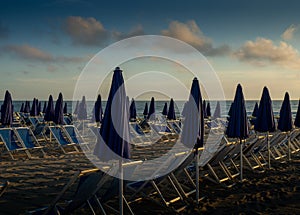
(85,31)
(34,54)
(136,31)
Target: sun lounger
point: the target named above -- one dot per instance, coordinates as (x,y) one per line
(3,187)
(11,142)
(74,137)
(62,140)
(27,138)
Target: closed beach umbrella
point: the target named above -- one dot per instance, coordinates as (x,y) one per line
(39,108)
(265,118)
(238,124)
(165,109)
(285,122)
(45,107)
(7,110)
(132,110)
(115,135)
(193,127)
(208,111)
(49,114)
(151,113)
(33,111)
(58,111)
(145,112)
(255,110)
(204,109)
(297,119)
(82,112)
(76,108)
(230,110)
(22,108)
(27,107)
(217,113)
(66,108)
(98,111)
(171,112)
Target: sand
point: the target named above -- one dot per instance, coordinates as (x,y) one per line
(35,183)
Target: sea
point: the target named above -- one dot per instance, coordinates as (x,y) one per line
(225,105)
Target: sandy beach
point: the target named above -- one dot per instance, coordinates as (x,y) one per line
(35,183)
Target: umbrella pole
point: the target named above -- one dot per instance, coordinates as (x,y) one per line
(197,176)
(241,159)
(121,188)
(269,153)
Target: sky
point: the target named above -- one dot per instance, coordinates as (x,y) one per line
(44,45)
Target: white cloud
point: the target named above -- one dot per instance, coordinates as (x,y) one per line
(288,34)
(264,52)
(190,33)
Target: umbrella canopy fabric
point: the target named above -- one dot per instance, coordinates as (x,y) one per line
(76,108)
(297,119)
(98,111)
(65,108)
(265,116)
(151,113)
(217,113)
(22,108)
(255,110)
(27,107)
(230,110)
(208,111)
(238,124)
(115,124)
(204,109)
(82,112)
(7,110)
(171,113)
(285,122)
(39,108)
(165,109)
(45,107)
(49,114)
(132,110)
(33,111)
(193,128)
(59,112)
(145,112)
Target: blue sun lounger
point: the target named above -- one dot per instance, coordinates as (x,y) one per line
(11,142)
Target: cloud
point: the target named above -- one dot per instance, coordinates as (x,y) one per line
(85,31)
(264,52)
(135,31)
(28,52)
(190,33)
(4,31)
(288,34)
(34,54)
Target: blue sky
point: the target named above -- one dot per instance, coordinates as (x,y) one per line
(45,45)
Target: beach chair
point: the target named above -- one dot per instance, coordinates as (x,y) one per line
(251,155)
(62,140)
(152,189)
(216,170)
(3,187)
(74,137)
(11,142)
(77,192)
(27,138)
